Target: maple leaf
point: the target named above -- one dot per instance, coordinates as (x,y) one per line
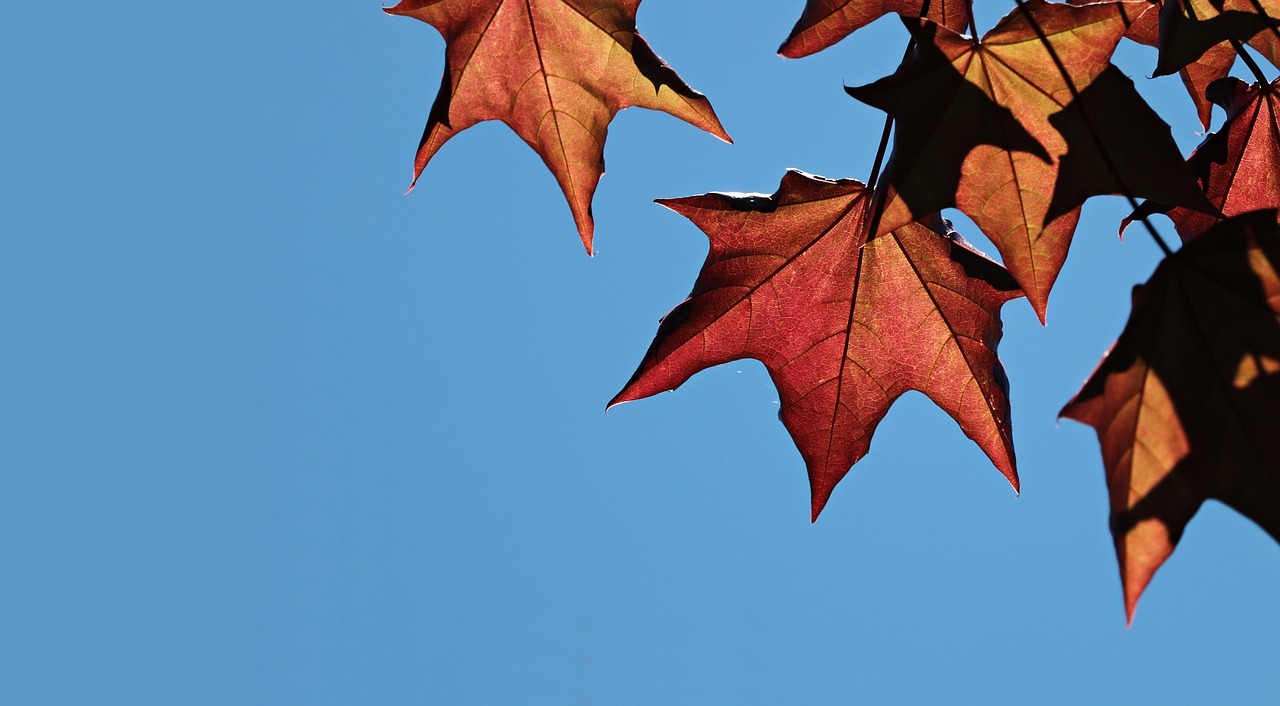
(1238,167)
(1187,402)
(992,127)
(825,22)
(844,326)
(556,72)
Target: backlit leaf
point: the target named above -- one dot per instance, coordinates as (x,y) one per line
(1238,167)
(556,72)
(993,128)
(844,326)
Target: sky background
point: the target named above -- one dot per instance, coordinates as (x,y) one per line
(282,428)
(127,232)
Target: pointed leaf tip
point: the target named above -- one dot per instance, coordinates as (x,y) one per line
(819,494)
(1040,305)
(617,400)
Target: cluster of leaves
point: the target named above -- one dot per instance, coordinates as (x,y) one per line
(852,294)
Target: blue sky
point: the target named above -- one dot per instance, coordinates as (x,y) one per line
(441,511)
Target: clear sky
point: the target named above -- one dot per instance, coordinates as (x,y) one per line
(446,515)
(213,251)
(126,354)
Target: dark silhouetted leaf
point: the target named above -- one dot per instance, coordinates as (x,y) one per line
(1134,140)
(1187,402)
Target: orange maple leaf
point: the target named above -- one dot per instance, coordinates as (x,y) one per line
(556,72)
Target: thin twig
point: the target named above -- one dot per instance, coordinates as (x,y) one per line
(888,120)
(1248,61)
(877,202)
(884,145)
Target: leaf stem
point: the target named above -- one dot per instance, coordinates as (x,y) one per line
(884,146)
(876,203)
(1088,123)
(1248,61)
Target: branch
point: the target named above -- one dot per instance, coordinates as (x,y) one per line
(1248,61)
(876,203)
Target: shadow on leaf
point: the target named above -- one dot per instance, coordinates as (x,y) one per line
(1187,403)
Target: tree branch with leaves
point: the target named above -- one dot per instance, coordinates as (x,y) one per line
(852,294)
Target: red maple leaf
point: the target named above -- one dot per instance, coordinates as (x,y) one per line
(844,325)
(1187,402)
(556,72)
